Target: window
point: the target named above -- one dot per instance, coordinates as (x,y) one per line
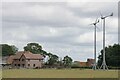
(28,59)
(18,64)
(33,65)
(28,64)
(15,64)
(22,59)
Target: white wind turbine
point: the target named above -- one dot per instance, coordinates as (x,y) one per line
(95,27)
(104,66)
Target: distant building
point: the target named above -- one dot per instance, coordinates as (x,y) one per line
(83,64)
(89,63)
(25,59)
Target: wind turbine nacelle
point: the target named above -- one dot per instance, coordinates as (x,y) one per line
(111,14)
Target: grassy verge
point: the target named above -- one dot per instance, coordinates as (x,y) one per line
(54,73)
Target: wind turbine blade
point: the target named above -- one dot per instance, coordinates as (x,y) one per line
(91,24)
(98,28)
(91,27)
(96,20)
(101,14)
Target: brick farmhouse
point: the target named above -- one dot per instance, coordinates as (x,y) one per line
(25,59)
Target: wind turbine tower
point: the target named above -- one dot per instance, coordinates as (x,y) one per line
(95,23)
(104,66)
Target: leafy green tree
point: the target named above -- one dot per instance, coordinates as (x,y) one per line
(7,50)
(35,48)
(112,56)
(67,61)
(53,59)
(14,48)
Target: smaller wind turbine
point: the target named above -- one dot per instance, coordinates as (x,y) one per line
(95,23)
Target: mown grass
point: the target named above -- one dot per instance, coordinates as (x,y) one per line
(58,73)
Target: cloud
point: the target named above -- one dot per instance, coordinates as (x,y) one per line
(60,27)
(39,15)
(89,37)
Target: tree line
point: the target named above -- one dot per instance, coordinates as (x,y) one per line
(112,54)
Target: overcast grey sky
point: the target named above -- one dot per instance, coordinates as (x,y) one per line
(60,27)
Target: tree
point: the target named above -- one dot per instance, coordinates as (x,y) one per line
(53,59)
(35,48)
(14,48)
(8,49)
(112,56)
(67,61)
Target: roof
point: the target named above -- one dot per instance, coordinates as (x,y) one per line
(10,59)
(20,53)
(27,54)
(33,56)
(89,59)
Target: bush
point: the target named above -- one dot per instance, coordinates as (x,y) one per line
(75,65)
(111,67)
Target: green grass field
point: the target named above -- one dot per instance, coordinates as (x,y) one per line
(60,73)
